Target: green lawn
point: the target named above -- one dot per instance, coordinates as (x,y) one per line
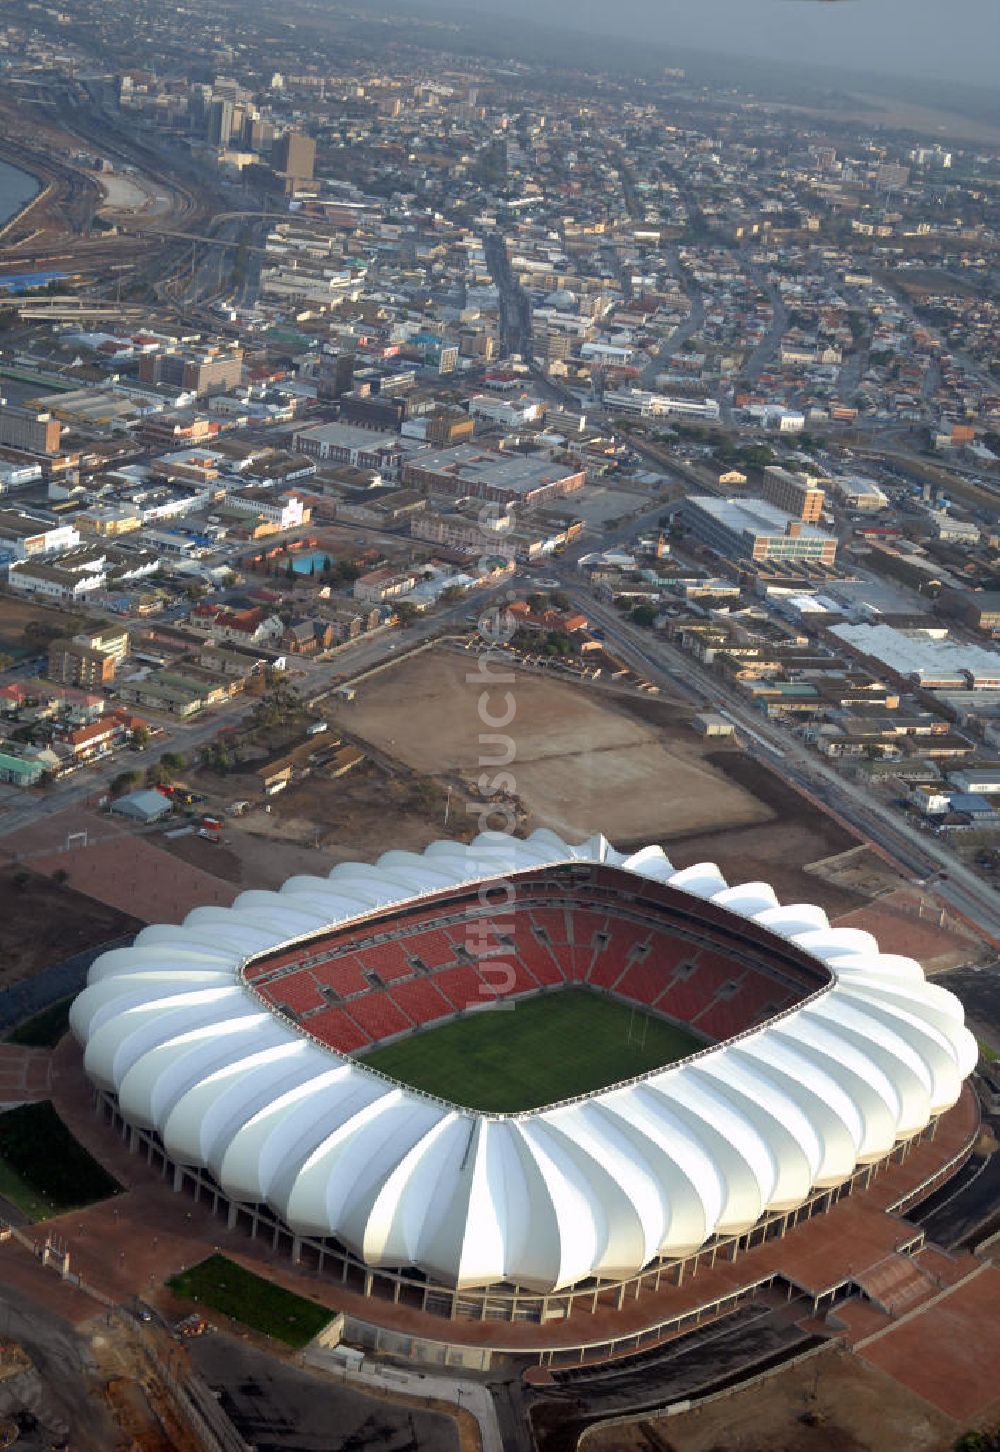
(226,1287)
(46,1028)
(542,1049)
(42,1168)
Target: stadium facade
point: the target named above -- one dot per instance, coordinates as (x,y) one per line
(229,1046)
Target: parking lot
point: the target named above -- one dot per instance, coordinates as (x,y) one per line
(282,1409)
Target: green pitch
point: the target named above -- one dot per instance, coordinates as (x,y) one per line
(543,1049)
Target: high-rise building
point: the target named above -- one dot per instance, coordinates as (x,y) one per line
(799,495)
(219,128)
(294,155)
(29,430)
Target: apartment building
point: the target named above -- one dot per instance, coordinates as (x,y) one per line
(28,429)
(799,495)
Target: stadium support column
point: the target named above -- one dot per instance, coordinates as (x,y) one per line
(297,1253)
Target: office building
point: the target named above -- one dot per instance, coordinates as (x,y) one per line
(294,155)
(741,529)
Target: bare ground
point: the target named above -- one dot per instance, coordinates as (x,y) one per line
(42,922)
(833,1403)
(581,762)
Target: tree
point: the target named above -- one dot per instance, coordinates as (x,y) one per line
(327,565)
(140,737)
(172,760)
(404,611)
(123,782)
(217,757)
(643,615)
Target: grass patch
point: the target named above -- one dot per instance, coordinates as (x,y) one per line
(43,1169)
(544,1049)
(45,1029)
(226,1287)
(988,1052)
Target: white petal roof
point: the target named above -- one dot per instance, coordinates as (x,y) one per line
(597,1186)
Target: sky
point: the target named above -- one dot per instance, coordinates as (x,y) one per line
(944,39)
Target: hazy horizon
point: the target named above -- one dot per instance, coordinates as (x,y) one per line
(914,38)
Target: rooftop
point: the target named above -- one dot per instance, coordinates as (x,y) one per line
(754,516)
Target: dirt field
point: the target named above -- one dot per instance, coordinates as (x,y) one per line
(16,615)
(44,921)
(133,874)
(833,1403)
(793,836)
(581,763)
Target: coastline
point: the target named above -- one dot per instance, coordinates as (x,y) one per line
(14,159)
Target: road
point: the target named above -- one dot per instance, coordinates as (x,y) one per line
(691,325)
(919,857)
(20,810)
(515,309)
(767,349)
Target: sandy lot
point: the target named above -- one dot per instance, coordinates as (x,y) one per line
(581,763)
(43,922)
(15,615)
(850,1407)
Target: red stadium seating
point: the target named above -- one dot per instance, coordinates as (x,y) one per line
(378,1015)
(539,961)
(343,975)
(570,951)
(461,986)
(686,998)
(433,947)
(724,1018)
(387,959)
(336,1029)
(610,964)
(505,974)
(553,920)
(645,981)
(420,1000)
(298,992)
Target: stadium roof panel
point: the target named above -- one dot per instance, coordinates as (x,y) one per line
(596,1186)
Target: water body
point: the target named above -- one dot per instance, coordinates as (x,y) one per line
(16,190)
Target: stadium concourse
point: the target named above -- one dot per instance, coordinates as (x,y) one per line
(233,1049)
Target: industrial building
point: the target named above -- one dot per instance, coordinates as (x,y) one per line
(506,478)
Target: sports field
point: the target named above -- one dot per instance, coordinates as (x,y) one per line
(539,1050)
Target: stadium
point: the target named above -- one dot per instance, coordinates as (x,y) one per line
(517,1081)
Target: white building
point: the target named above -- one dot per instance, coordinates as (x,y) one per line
(286,512)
